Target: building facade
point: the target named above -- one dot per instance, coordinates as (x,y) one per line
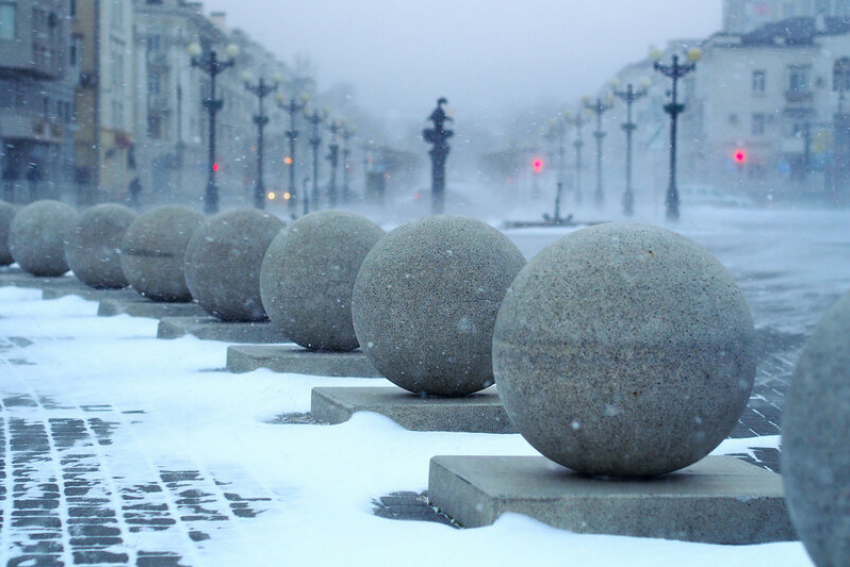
(37,75)
(105,153)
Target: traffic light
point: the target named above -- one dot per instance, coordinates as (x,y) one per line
(215,167)
(537,165)
(740,157)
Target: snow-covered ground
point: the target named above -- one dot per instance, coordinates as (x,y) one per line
(184,463)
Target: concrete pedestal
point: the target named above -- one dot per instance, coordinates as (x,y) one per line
(478,413)
(717,500)
(139,306)
(72,286)
(212,329)
(297,360)
(19,278)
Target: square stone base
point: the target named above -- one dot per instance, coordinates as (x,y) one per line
(481,412)
(298,360)
(139,306)
(19,278)
(212,329)
(68,286)
(717,500)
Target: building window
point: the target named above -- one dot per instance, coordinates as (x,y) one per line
(154,83)
(841,75)
(73,9)
(8,13)
(758,125)
(153,42)
(759,81)
(798,78)
(154,127)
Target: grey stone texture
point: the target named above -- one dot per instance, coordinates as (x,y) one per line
(37,237)
(815,429)
(718,500)
(213,329)
(7,214)
(481,412)
(153,250)
(223,262)
(307,277)
(624,350)
(425,303)
(92,248)
(297,360)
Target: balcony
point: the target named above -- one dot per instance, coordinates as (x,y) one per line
(799,103)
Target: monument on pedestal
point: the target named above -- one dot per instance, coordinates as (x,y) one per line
(153,249)
(94,242)
(222,269)
(622,352)
(37,237)
(424,305)
(306,283)
(815,428)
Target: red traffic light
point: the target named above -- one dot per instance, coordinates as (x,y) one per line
(537,165)
(215,167)
(740,156)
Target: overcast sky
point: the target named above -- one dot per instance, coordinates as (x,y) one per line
(484,55)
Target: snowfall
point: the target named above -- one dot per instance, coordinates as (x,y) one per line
(152,410)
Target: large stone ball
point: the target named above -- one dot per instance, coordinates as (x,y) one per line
(37,237)
(153,249)
(7,213)
(223,263)
(624,350)
(815,431)
(425,302)
(307,277)
(93,245)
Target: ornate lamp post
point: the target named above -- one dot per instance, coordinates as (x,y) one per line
(629,96)
(438,136)
(557,131)
(293,107)
(333,159)
(598,107)
(261,90)
(578,121)
(347,133)
(675,72)
(315,119)
(209,64)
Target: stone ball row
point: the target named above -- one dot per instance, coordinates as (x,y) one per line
(622,349)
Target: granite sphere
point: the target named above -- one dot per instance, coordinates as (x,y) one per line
(37,237)
(624,350)
(425,302)
(7,213)
(93,245)
(153,249)
(815,430)
(223,262)
(307,277)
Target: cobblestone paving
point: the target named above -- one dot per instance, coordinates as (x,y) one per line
(67,499)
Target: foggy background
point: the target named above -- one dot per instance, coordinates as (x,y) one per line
(485,56)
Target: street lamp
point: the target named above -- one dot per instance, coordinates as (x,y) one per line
(261,90)
(347,133)
(578,121)
(438,136)
(675,72)
(209,64)
(333,158)
(598,107)
(315,119)
(293,107)
(629,96)
(558,131)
